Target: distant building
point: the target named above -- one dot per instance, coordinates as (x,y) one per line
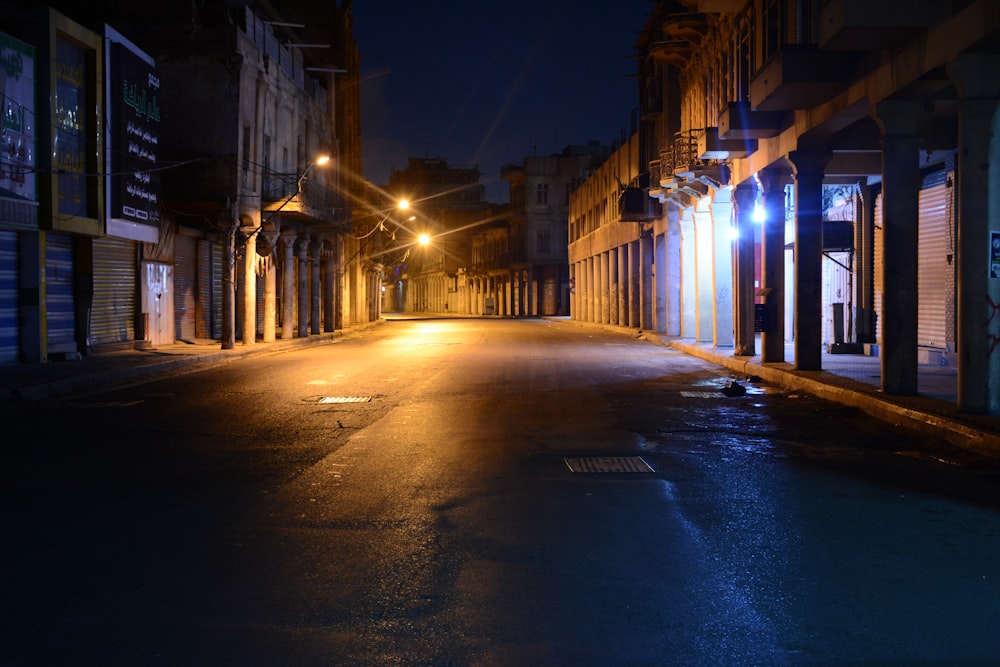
(539,221)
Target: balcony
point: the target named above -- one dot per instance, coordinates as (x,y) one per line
(799,77)
(634,202)
(863,25)
(313,203)
(673,52)
(738,121)
(711,147)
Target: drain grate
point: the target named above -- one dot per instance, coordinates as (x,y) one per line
(345,399)
(608,464)
(702,394)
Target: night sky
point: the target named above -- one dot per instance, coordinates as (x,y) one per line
(487,83)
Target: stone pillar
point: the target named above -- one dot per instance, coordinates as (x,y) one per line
(228,293)
(808,168)
(646,280)
(329,286)
(673,269)
(634,287)
(704,265)
(978,212)
(302,250)
(288,287)
(250,291)
(605,288)
(530,300)
(660,282)
(744,340)
(772,263)
(623,304)
(900,121)
(270,297)
(574,289)
(314,303)
(689,280)
(722,273)
(864,235)
(613,286)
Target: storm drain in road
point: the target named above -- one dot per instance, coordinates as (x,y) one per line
(702,394)
(345,399)
(608,464)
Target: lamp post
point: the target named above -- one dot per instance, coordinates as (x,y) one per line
(232,247)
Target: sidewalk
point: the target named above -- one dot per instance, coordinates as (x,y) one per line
(855,380)
(58,378)
(852,380)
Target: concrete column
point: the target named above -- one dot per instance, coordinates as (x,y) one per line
(900,121)
(302,251)
(314,312)
(978,213)
(329,287)
(722,273)
(270,298)
(288,287)
(673,270)
(704,264)
(689,275)
(772,263)
(623,285)
(646,281)
(634,286)
(250,291)
(605,288)
(530,300)
(573,291)
(613,286)
(744,337)
(228,295)
(864,235)
(807,166)
(660,283)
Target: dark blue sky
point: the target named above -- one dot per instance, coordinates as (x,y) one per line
(487,83)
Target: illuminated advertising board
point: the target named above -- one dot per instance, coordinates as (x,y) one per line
(134,136)
(17,132)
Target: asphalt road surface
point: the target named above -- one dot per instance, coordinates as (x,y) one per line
(487,492)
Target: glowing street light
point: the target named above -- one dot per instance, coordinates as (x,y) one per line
(424,239)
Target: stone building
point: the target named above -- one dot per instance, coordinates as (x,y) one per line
(769,106)
(189,202)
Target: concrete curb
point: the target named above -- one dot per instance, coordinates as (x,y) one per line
(847,392)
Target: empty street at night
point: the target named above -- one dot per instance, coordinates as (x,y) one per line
(487,492)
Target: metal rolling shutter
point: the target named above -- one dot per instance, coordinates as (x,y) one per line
(185,287)
(8,297)
(879,268)
(112,318)
(935,274)
(60,321)
(208,319)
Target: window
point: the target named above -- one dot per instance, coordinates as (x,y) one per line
(542,193)
(544,241)
(246,152)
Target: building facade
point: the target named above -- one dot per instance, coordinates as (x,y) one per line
(864,142)
(172,188)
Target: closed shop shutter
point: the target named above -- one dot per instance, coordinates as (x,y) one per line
(879,269)
(208,320)
(112,318)
(185,286)
(60,320)
(8,297)
(935,277)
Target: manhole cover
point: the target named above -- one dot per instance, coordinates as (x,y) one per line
(345,399)
(608,464)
